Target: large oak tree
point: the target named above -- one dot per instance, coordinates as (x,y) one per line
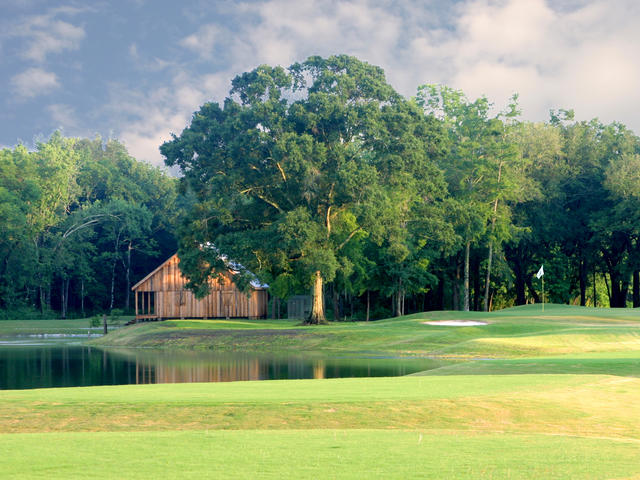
(297,163)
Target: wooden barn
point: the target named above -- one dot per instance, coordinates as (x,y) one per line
(162,294)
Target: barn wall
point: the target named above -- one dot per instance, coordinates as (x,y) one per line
(173,300)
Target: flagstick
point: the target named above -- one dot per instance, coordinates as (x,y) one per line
(543,293)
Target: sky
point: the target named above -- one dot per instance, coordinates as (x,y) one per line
(136,70)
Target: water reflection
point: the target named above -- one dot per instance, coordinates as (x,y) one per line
(68,365)
(175,367)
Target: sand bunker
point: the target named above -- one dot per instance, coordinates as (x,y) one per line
(455,323)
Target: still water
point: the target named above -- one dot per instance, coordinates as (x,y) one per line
(61,364)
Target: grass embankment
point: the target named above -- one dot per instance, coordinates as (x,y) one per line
(524,426)
(516,332)
(41,327)
(74,326)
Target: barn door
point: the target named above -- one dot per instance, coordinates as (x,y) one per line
(228,303)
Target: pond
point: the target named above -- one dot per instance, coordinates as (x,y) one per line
(41,363)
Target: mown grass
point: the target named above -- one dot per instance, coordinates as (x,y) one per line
(18,327)
(53,326)
(517,332)
(473,403)
(347,454)
(521,426)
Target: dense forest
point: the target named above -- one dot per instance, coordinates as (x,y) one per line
(321,177)
(81,220)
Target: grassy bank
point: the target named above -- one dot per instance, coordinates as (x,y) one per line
(523,426)
(516,332)
(54,326)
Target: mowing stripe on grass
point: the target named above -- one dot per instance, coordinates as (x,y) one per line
(314,454)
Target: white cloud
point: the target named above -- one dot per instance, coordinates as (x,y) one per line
(580,58)
(64,116)
(34,82)
(556,54)
(45,34)
(203,41)
(144,64)
(149,117)
(133,51)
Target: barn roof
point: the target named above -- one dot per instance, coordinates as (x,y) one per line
(233,268)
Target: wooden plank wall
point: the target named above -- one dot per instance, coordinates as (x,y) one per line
(173,300)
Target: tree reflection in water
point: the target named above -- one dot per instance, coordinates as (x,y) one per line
(68,365)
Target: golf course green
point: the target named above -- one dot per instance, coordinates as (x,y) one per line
(535,394)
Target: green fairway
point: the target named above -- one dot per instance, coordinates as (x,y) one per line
(521,426)
(314,454)
(516,332)
(616,363)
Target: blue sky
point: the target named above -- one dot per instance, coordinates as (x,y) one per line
(137,69)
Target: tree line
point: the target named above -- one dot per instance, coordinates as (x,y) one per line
(81,220)
(320,178)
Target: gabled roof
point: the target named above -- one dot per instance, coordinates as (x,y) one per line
(153,272)
(233,268)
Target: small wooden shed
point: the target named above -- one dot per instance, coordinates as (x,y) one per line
(162,294)
(299,307)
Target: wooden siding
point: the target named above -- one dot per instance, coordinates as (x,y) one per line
(171,299)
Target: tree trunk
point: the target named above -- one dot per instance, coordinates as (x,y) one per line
(485,305)
(63,310)
(48,298)
(317,307)
(368,305)
(619,289)
(636,289)
(113,285)
(113,269)
(440,293)
(351,307)
(619,281)
(466,276)
(532,291)
(273,307)
(521,297)
(583,283)
(490,257)
(398,297)
(41,296)
(476,284)
(456,287)
(336,306)
(65,297)
(127,296)
(82,297)
(595,297)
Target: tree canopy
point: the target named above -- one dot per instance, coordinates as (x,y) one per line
(82,219)
(297,164)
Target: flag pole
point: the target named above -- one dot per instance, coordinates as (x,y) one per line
(540,275)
